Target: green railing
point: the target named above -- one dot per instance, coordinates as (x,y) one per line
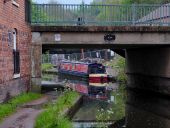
(99,15)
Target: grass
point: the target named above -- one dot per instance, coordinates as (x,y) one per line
(46,66)
(48,77)
(10,107)
(54,116)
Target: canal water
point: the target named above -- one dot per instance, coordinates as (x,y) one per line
(98,109)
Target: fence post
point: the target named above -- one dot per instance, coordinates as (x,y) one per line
(133,14)
(83,14)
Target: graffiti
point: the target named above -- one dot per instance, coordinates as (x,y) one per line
(3,37)
(3,27)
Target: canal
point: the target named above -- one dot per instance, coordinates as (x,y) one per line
(133,106)
(96,109)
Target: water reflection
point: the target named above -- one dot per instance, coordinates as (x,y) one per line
(143,109)
(102,104)
(146,109)
(82,86)
(105,111)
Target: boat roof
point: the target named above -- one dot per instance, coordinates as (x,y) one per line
(78,62)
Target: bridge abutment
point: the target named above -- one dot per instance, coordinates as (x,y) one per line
(148,94)
(36,53)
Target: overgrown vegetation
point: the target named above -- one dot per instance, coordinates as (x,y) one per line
(46,66)
(117,111)
(8,108)
(54,116)
(118,64)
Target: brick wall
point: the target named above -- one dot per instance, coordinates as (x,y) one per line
(13,16)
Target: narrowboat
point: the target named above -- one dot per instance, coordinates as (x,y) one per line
(82,69)
(95,73)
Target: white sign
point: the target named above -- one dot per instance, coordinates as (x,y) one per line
(112,98)
(57,37)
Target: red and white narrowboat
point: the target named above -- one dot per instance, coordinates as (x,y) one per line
(94,72)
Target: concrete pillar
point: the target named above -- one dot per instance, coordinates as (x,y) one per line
(36,53)
(148,104)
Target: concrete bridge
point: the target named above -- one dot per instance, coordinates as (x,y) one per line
(147,53)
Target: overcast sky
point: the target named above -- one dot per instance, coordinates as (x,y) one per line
(65,1)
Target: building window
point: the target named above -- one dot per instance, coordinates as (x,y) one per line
(16,55)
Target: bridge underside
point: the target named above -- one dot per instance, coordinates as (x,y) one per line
(72,48)
(148,103)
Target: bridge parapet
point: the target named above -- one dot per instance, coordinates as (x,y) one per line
(99,15)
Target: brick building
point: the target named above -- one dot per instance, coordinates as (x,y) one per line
(15,38)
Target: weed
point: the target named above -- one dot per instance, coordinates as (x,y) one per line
(46,66)
(54,116)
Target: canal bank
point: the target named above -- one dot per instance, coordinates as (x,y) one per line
(55,115)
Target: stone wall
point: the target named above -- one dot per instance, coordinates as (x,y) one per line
(12,16)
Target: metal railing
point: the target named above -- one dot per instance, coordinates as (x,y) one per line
(100,15)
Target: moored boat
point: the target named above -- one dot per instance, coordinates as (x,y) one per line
(95,73)
(83,69)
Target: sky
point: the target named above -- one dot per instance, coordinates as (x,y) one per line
(65,1)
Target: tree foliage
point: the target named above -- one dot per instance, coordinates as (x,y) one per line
(132,1)
(145,1)
(38,13)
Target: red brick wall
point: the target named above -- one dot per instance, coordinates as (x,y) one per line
(12,16)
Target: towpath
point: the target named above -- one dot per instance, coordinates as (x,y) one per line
(26,115)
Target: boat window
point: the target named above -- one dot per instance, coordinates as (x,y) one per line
(73,66)
(97,69)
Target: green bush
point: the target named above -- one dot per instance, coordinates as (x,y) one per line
(46,66)
(118,64)
(121,76)
(10,107)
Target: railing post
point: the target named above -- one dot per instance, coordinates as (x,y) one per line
(83,14)
(133,13)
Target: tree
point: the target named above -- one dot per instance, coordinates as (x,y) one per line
(38,13)
(145,1)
